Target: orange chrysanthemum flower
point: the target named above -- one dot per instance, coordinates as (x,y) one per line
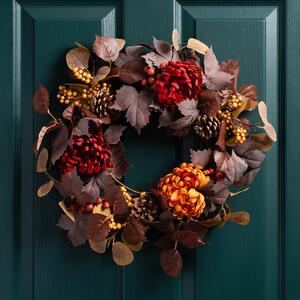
(180,187)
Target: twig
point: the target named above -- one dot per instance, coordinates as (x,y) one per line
(121,183)
(246,124)
(54,119)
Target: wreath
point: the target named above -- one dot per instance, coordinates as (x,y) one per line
(113,87)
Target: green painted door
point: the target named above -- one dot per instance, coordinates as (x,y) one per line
(260,261)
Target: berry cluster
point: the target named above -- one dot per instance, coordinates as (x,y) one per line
(240,134)
(234,102)
(150,73)
(127,197)
(114,225)
(82,75)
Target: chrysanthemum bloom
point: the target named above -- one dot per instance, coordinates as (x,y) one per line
(179,80)
(88,154)
(181,189)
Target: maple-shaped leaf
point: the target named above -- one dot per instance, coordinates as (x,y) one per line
(76,230)
(78,58)
(171,262)
(208,103)
(136,103)
(133,70)
(231,67)
(69,185)
(254,158)
(131,52)
(249,91)
(90,191)
(134,232)
(115,198)
(163,48)
(219,193)
(214,79)
(97,227)
(201,157)
(59,144)
(232,165)
(189,110)
(113,134)
(120,165)
(40,100)
(108,48)
(188,239)
(246,179)
(43,132)
(82,127)
(153,59)
(165,118)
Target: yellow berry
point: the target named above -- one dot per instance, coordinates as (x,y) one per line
(84,95)
(234,105)
(238,138)
(80,71)
(88,76)
(76,74)
(76,103)
(67,101)
(75,70)
(80,76)
(74,93)
(119,226)
(61,101)
(84,74)
(69,93)
(87,81)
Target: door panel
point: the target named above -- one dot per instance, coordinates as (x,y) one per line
(237,262)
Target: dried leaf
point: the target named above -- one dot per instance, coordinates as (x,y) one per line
(78,58)
(221,142)
(212,222)
(115,198)
(133,70)
(214,78)
(165,118)
(188,239)
(82,127)
(68,112)
(261,141)
(201,157)
(42,160)
(208,103)
(41,100)
(122,255)
(175,39)
(108,48)
(197,46)
(171,262)
(249,91)
(90,192)
(68,213)
(269,129)
(243,107)
(134,232)
(246,179)
(254,158)
(97,227)
(231,67)
(136,104)
(101,73)
(59,144)
(99,247)
(44,189)
(219,193)
(113,134)
(130,53)
(70,184)
(76,230)
(163,48)
(135,248)
(154,60)
(120,165)
(239,217)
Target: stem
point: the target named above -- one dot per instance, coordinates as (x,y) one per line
(246,124)
(49,113)
(121,183)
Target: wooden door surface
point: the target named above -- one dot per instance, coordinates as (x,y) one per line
(259,261)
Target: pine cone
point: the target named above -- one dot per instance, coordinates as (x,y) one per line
(101,101)
(145,208)
(207,127)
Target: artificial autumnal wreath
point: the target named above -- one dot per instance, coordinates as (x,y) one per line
(113,87)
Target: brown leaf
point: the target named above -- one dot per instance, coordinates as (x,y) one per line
(261,141)
(208,103)
(154,60)
(212,222)
(130,53)
(195,226)
(221,142)
(115,198)
(99,247)
(41,100)
(163,48)
(97,227)
(165,118)
(175,39)
(197,46)
(44,189)
(201,158)
(231,67)
(133,70)
(136,104)
(59,144)
(42,160)
(113,134)
(249,91)
(120,165)
(122,255)
(246,179)
(134,232)
(239,217)
(76,230)
(171,262)
(108,48)
(44,130)
(90,192)
(68,213)
(78,58)
(219,193)
(101,73)
(188,239)
(68,112)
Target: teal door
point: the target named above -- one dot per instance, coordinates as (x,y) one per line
(260,261)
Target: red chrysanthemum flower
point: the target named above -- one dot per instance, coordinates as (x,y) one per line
(179,80)
(88,154)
